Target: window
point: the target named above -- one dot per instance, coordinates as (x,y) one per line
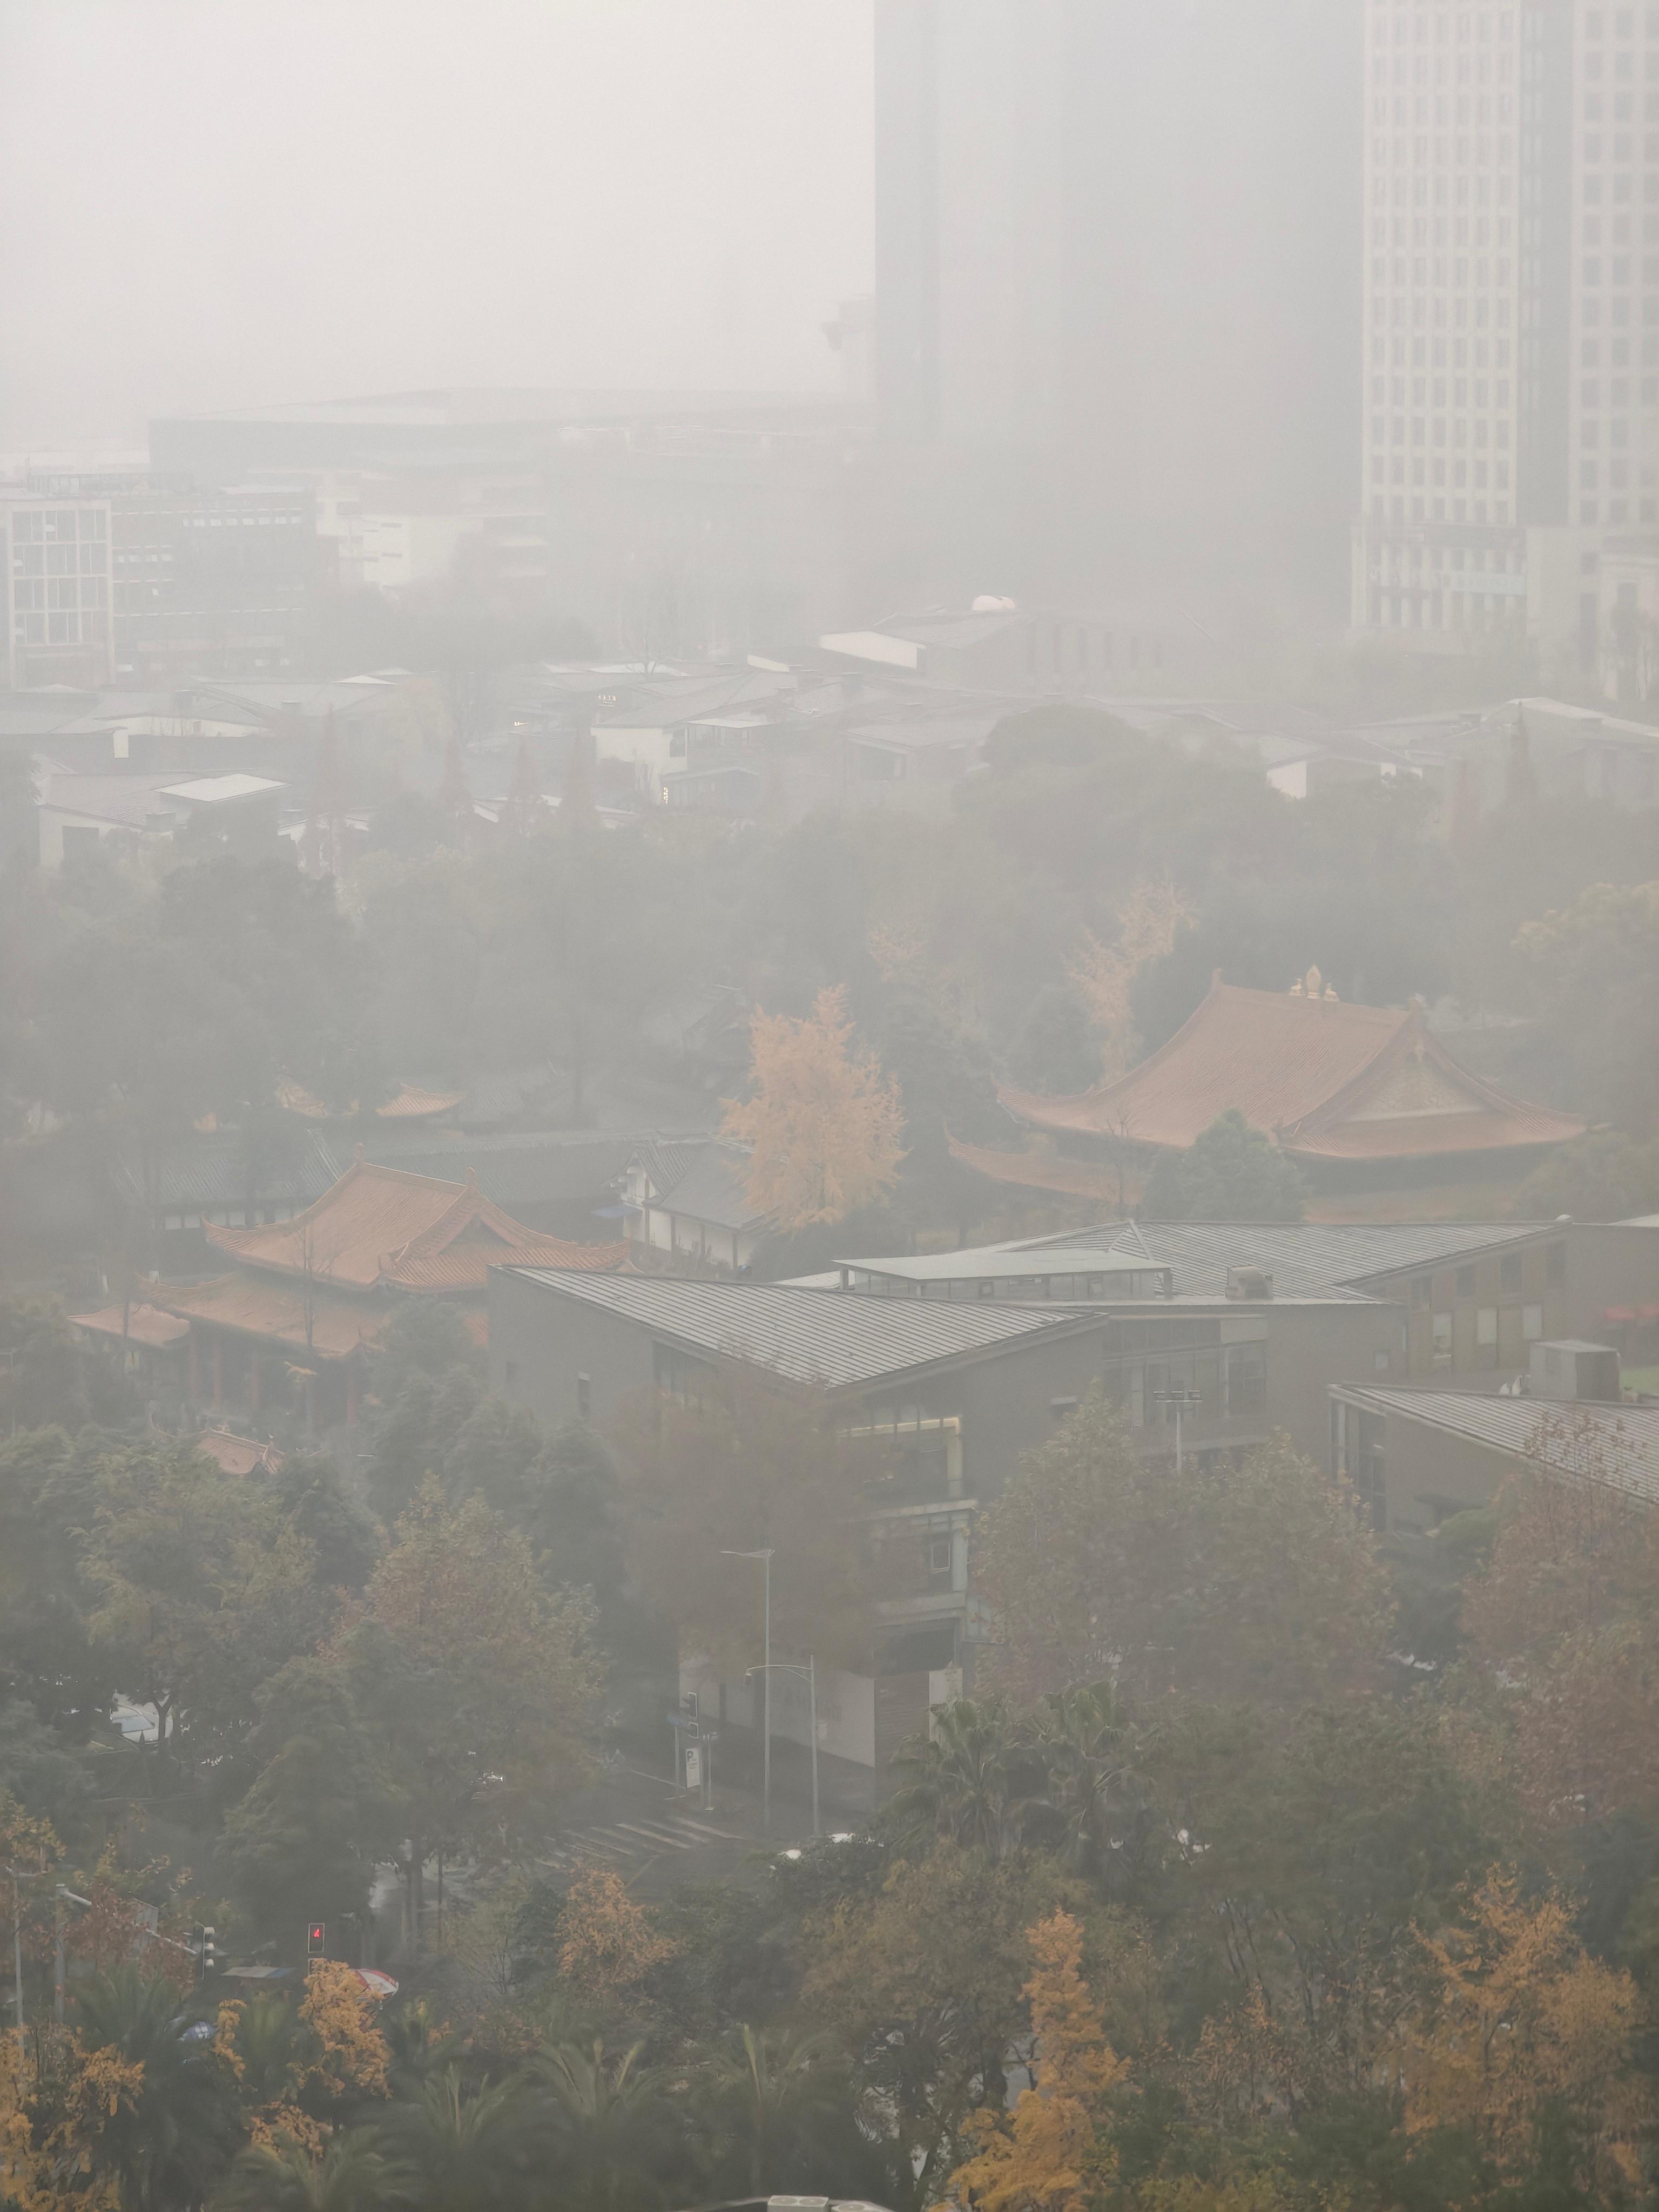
(1420,1292)
(1443,1340)
(1532,1323)
(939,1559)
(584,1398)
(1466,1282)
(1510,1271)
(1380,1362)
(1485,1326)
(1555,1264)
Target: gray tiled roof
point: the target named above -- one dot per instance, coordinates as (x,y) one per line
(807,1336)
(1619,1444)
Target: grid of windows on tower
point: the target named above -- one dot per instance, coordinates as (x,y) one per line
(1512,339)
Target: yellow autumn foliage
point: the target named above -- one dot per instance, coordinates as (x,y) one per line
(1049,2156)
(824,1122)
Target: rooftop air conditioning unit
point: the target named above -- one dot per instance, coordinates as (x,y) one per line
(1576,1371)
(1248,1282)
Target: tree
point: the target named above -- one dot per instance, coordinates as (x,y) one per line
(604,2117)
(1594,970)
(767,2088)
(1603,1176)
(1095,1563)
(304,1840)
(476,1680)
(824,1123)
(205,1590)
(1049,2156)
(1057,1051)
(173,2131)
(1518,2018)
(1230,1173)
(922,1982)
(1565,1614)
(353,2173)
(607,1944)
(969,1777)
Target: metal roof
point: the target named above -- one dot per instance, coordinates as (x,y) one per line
(1310,1258)
(810,1337)
(1617,1444)
(989,1261)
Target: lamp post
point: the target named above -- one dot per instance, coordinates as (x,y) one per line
(1178,1399)
(765,1556)
(810,1674)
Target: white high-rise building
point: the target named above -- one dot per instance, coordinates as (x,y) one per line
(1510,439)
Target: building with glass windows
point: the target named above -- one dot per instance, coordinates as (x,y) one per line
(1510,439)
(57,582)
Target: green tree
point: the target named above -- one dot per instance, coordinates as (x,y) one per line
(1603,1176)
(967,1777)
(1232,1173)
(1593,972)
(168,2146)
(352,2173)
(304,1840)
(1057,1051)
(1094,1562)
(768,2090)
(476,1683)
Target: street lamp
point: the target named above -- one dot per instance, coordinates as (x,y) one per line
(810,1674)
(1178,1399)
(766,1669)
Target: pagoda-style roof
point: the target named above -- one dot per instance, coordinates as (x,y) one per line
(1325,1080)
(144,1326)
(380,1227)
(316,1324)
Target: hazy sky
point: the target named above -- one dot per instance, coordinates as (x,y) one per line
(219,203)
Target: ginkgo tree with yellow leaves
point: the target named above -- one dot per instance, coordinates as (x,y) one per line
(824,1123)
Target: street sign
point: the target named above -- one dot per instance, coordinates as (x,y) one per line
(693,1766)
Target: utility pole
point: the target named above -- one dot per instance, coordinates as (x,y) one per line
(766,1679)
(1178,1399)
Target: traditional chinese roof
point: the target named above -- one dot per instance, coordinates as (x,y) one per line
(1045,1171)
(259,1306)
(409,1104)
(383,1228)
(238,1455)
(143,1325)
(1325,1080)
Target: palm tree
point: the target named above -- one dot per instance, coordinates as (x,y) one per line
(353,2174)
(173,2140)
(1091,1749)
(469,2147)
(606,2117)
(968,1776)
(766,2089)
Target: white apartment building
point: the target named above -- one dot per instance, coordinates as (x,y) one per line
(1511,317)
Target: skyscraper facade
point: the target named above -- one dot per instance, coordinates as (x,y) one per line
(1512,317)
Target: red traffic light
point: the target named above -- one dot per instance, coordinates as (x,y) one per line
(314,1936)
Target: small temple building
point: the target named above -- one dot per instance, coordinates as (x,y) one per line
(298,1315)
(1355,1094)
